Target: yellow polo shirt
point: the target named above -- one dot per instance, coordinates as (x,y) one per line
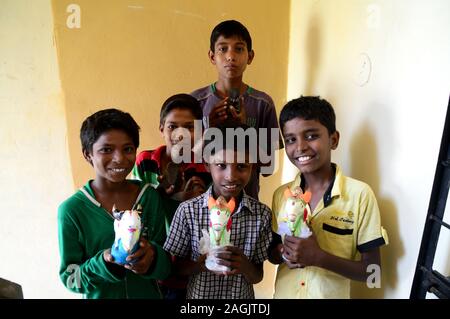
(346,222)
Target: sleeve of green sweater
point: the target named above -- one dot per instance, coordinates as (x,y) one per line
(161,267)
(77,273)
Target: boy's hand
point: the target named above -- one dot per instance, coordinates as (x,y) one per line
(201,263)
(143,257)
(234,258)
(218,114)
(242,115)
(302,251)
(108,257)
(194,187)
(165,187)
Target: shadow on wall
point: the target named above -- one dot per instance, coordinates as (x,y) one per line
(365,167)
(313,54)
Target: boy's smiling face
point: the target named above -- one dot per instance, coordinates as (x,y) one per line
(229,177)
(112,156)
(176,125)
(230,57)
(308,144)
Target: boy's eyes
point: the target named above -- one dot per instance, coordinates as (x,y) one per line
(129,149)
(310,137)
(289,140)
(172,127)
(105,150)
(225,49)
(242,166)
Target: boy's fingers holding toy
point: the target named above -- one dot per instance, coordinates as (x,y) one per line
(224,262)
(202,258)
(238,115)
(143,244)
(218,113)
(164,185)
(292,265)
(201,262)
(233,112)
(292,242)
(107,256)
(144,256)
(288,252)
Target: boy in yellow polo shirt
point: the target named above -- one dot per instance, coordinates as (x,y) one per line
(345,219)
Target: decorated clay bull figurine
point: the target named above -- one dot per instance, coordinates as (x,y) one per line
(220,220)
(127,227)
(295,213)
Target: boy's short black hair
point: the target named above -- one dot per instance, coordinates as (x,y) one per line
(100,122)
(180,101)
(224,143)
(228,29)
(309,108)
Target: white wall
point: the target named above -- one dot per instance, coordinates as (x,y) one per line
(35,175)
(391,121)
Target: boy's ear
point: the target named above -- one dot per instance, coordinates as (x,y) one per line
(334,139)
(161,128)
(211,57)
(87,156)
(251,56)
(208,169)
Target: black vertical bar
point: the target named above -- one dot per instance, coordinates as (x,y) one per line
(436,209)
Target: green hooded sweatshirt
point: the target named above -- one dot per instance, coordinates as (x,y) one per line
(85,230)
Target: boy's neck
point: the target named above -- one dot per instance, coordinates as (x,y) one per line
(237,198)
(223,86)
(319,181)
(105,186)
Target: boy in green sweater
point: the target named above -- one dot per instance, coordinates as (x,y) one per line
(109,141)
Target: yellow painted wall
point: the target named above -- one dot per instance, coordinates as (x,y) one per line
(391,118)
(134,54)
(35,175)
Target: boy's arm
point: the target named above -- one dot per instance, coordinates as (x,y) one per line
(77,273)
(276,249)
(306,252)
(188,267)
(355,270)
(178,243)
(276,245)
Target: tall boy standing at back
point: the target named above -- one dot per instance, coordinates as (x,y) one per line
(345,218)
(231,51)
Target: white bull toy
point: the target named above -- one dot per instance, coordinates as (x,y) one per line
(127,227)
